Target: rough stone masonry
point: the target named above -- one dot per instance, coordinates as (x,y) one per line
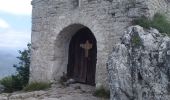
(55,22)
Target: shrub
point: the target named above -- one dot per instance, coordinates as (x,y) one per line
(159,22)
(143,21)
(102,92)
(7,83)
(35,86)
(136,40)
(11,83)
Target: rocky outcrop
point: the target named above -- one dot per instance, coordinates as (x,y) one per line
(139,66)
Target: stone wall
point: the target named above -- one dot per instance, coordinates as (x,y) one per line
(157,6)
(54,22)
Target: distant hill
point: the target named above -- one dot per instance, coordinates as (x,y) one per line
(7,59)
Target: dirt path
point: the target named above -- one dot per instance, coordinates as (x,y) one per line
(56,92)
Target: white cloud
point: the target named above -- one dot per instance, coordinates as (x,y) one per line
(14,40)
(21,7)
(3,24)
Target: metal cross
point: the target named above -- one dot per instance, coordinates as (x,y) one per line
(87,46)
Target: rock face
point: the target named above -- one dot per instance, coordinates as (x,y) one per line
(139,66)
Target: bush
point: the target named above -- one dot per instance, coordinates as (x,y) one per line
(11,83)
(102,92)
(159,22)
(7,83)
(143,21)
(37,86)
(136,40)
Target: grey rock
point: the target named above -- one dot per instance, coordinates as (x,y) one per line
(138,67)
(3,96)
(70,81)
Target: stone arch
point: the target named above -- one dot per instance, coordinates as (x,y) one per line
(61,25)
(61,48)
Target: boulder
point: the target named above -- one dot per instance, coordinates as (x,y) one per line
(139,66)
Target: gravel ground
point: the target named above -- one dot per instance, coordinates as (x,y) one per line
(56,92)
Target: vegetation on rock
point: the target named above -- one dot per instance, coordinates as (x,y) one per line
(102,93)
(136,41)
(37,86)
(7,82)
(159,22)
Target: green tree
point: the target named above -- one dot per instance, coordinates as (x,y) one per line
(23,66)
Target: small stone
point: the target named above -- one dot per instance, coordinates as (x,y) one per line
(70,81)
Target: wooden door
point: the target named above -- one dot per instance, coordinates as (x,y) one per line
(82,57)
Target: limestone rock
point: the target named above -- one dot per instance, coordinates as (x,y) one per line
(3,98)
(139,66)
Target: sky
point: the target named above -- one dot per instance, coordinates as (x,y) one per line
(15,32)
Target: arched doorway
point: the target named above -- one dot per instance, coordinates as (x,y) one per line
(82,57)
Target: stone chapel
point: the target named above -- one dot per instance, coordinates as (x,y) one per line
(76,36)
